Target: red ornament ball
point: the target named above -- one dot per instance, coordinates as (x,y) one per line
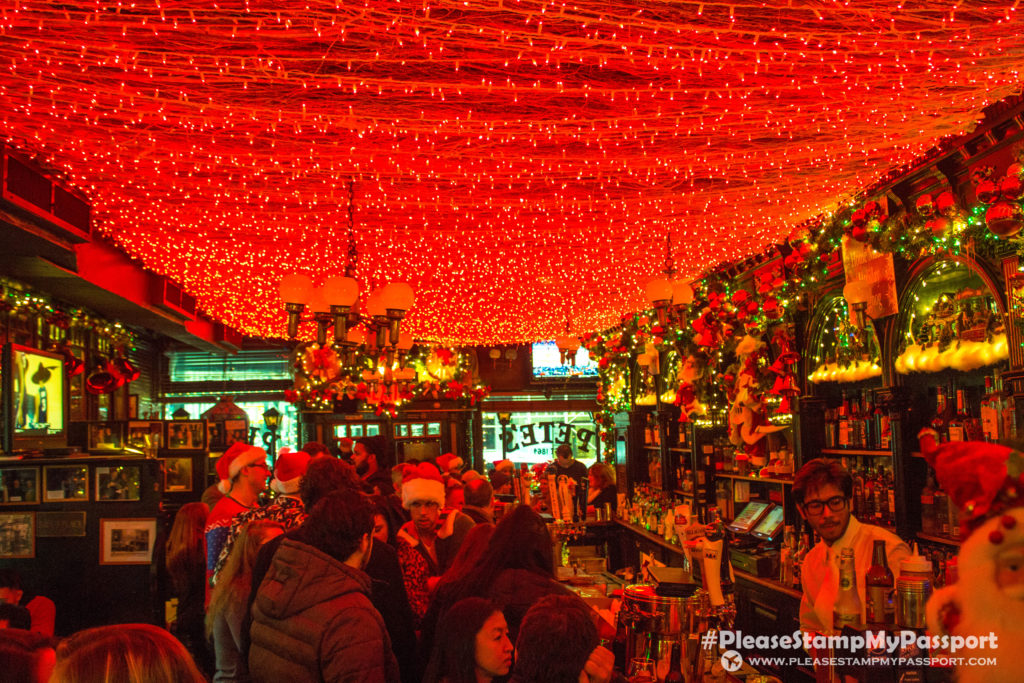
(986,192)
(859,233)
(996,536)
(945,204)
(1008,521)
(1004,219)
(1012,187)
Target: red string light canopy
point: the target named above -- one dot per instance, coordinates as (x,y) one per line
(517,162)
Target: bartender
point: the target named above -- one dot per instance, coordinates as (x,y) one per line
(823,491)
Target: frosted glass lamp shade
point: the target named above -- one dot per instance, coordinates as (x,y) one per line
(341,291)
(658,290)
(375,304)
(296,288)
(682,293)
(397,296)
(318,301)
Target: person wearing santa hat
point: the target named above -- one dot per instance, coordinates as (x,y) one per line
(243,476)
(437,539)
(287,509)
(986,481)
(450,465)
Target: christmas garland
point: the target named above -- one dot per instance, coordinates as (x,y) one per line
(428,373)
(709,330)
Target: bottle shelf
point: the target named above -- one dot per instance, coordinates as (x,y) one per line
(947,540)
(857,451)
(740,477)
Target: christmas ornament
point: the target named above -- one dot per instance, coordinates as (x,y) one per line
(1004,219)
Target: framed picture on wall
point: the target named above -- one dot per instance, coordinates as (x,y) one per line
(127,541)
(19,485)
(186,435)
(177,474)
(145,434)
(60,524)
(235,430)
(118,482)
(106,437)
(17,534)
(65,483)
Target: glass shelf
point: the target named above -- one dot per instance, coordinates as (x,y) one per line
(856,451)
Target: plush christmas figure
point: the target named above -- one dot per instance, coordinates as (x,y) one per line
(987,482)
(748,419)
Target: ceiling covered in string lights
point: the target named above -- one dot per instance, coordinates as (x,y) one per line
(520,163)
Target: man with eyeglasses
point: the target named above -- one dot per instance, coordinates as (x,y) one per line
(243,476)
(823,491)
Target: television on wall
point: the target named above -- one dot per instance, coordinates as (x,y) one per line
(547,363)
(34,399)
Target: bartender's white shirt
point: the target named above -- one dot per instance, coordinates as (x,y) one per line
(819,573)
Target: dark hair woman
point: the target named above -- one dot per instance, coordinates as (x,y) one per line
(472,644)
(186,565)
(515,572)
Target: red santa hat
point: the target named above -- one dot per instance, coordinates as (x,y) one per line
(449,462)
(288,472)
(422,483)
(985,480)
(237,456)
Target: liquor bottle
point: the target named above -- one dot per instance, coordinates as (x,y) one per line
(854,418)
(830,429)
(890,497)
(878,586)
(846,611)
(990,419)
(884,429)
(786,553)
(881,497)
(843,429)
(858,494)
(941,513)
(675,667)
(1009,417)
(939,421)
(798,558)
(868,511)
(958,423)
(870,423)
(928,506)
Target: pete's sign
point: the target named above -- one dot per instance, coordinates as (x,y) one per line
(555,433)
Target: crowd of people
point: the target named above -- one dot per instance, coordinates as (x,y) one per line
(350,571)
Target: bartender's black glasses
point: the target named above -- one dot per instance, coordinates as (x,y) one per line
(816,507)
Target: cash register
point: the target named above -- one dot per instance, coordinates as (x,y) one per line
(756,531)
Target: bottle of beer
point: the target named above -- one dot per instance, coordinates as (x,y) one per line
(846,611)
(878,585)
(675,667)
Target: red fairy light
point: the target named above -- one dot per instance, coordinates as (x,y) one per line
(486,149)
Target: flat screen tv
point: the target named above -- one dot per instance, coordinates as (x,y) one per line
(547,363)
(34,399)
